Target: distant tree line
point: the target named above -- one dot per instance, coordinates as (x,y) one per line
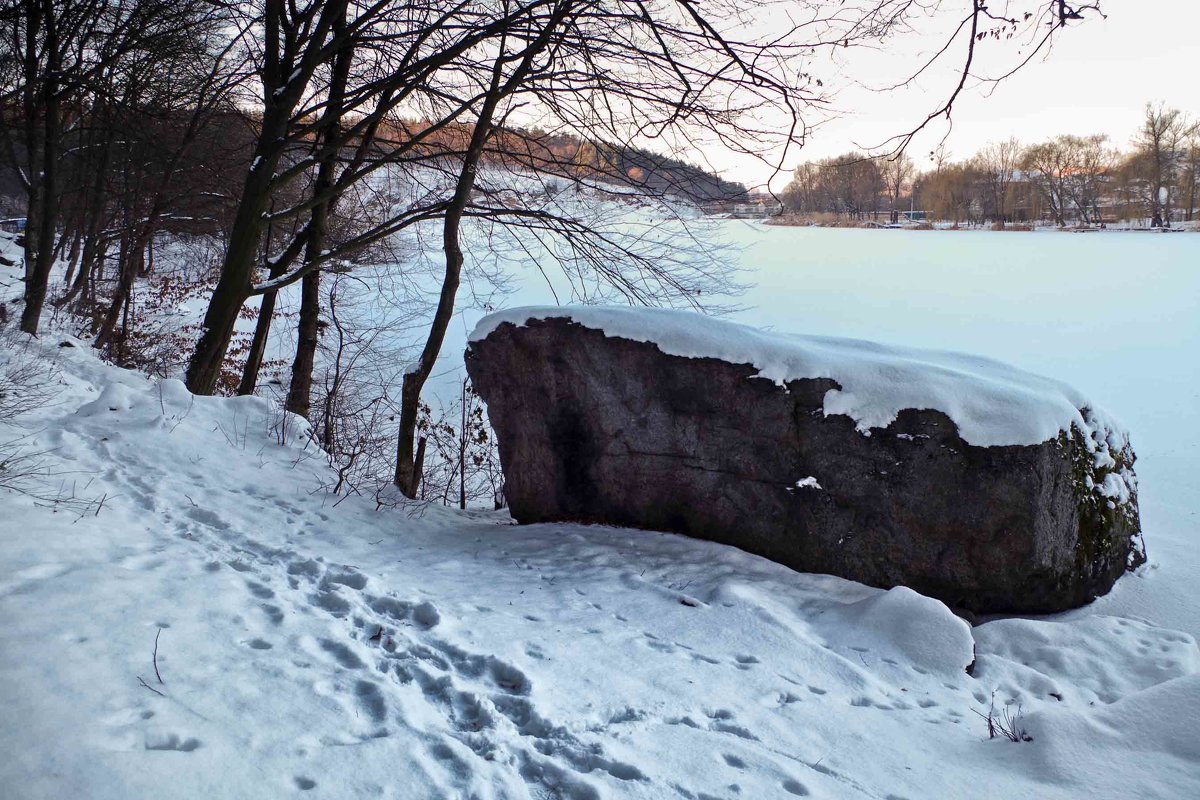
(1065,180)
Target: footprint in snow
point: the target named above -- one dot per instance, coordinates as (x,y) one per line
(354,580)
(453,761)
(723,722)
(209,518)
(332,602)
(171,741)
(424,615)
(654,643)
(259,591)
(307,567)
(686,721)
(342,654)
(795,787)
(371,700)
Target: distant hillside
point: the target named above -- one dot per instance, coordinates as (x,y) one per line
(640,168)
(569,156)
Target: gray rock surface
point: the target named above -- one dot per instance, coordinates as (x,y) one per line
(599,429)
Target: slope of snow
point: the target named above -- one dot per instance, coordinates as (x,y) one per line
(992,403)
(352,649)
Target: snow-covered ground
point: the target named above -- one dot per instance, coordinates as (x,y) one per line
(316,648)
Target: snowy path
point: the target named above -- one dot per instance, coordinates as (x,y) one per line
(313,649)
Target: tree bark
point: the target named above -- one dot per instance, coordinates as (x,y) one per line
(299,399)
(237,268)
(43,198)
(133,251)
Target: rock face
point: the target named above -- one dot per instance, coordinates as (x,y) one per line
(598,428)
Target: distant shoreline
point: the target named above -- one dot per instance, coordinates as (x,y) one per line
(777,222)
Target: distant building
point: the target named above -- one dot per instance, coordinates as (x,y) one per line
(13,225)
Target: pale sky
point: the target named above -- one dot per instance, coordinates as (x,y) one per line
(1096,79)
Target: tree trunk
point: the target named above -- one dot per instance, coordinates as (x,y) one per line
(237,269)
(73,256)
(92,229)
(408,475)
(262,326)
(299,398)
(408,464)
(132,254)
(44,199)
(258,345)
(463,440)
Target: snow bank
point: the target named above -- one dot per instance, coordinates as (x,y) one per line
(1093,660)
(903,625)
(1149,742)
(992,403)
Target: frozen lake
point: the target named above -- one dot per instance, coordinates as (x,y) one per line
(1114,314)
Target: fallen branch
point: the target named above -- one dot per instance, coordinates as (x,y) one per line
(156,672)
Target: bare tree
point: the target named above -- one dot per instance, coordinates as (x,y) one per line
(54,52)
(170,94)
(999,162)
(1094,162)
(1050,165)
(897,173)
(398,50)
(1160,143)
(1190,175)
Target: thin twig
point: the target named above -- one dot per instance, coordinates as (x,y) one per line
(156,672)
(151,688)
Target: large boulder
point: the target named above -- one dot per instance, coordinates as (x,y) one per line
(962,478)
